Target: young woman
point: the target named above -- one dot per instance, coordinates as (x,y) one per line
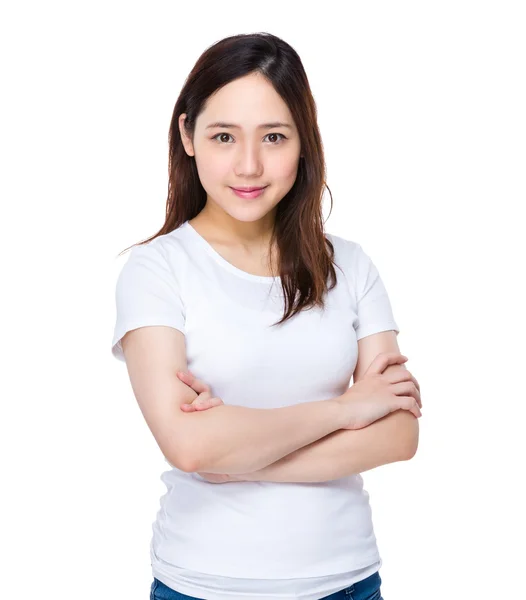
(241,323)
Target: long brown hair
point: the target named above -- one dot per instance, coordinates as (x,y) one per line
(305,255)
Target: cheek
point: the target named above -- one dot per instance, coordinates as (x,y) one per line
(284,164)
(213,169)
(284,170)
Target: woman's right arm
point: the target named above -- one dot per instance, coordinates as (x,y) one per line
(228,439)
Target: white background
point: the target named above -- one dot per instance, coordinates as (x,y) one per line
(422,114)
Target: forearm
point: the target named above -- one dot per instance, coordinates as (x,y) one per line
(346,452)
(236,439)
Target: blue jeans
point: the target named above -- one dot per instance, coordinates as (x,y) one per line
(367,589)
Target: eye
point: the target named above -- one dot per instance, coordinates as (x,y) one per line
(268,134)
(216,136)
(282,137)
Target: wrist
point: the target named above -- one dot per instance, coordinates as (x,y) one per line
(338,409)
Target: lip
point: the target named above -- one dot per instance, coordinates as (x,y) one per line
(249,189)
(248,195)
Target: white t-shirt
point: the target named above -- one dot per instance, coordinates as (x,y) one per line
(249,540)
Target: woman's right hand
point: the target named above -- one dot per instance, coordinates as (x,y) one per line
(378,394)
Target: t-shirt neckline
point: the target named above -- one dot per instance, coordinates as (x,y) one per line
(223,262)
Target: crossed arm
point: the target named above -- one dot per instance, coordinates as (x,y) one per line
(346,452)
(349,452)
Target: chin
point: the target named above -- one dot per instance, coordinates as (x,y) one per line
(247,215)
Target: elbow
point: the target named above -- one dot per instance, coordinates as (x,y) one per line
(192,452)
(188,465)
(181,462)
(183,457)
(191,449)
(184,462)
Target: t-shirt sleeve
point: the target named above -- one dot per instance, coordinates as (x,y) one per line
(374,309)
(147,293)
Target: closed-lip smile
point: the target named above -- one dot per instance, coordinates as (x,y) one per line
(248,189)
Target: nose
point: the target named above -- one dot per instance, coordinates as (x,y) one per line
(248,161)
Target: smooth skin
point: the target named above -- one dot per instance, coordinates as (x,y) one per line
(243,152)
(383,389)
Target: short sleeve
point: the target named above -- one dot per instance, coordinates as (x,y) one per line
(147,293)
(374,309)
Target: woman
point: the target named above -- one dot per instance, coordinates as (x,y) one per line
(243,286)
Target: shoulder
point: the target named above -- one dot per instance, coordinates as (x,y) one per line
(161,250)
(343,243)
(346,251)
(155,266)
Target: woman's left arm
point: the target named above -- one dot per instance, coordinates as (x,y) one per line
(345,452)
(342,453)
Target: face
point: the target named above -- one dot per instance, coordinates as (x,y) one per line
(248,155)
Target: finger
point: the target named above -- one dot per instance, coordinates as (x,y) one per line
(194,406)
(398,375)
(417,386)
(202,403)
(383,360)
(196,384)
(208,403)
(404,388)
(408,403)
(416,411)
(397,372)
(408,375)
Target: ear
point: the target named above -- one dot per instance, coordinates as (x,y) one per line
(187,142)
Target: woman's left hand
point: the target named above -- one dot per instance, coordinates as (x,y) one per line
(204,401)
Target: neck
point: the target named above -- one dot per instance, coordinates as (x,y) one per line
(226,230)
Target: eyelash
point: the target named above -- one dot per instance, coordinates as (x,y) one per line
(225,133)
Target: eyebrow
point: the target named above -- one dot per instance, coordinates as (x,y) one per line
(234,126)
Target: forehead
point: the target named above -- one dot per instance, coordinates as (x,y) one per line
(249,102)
